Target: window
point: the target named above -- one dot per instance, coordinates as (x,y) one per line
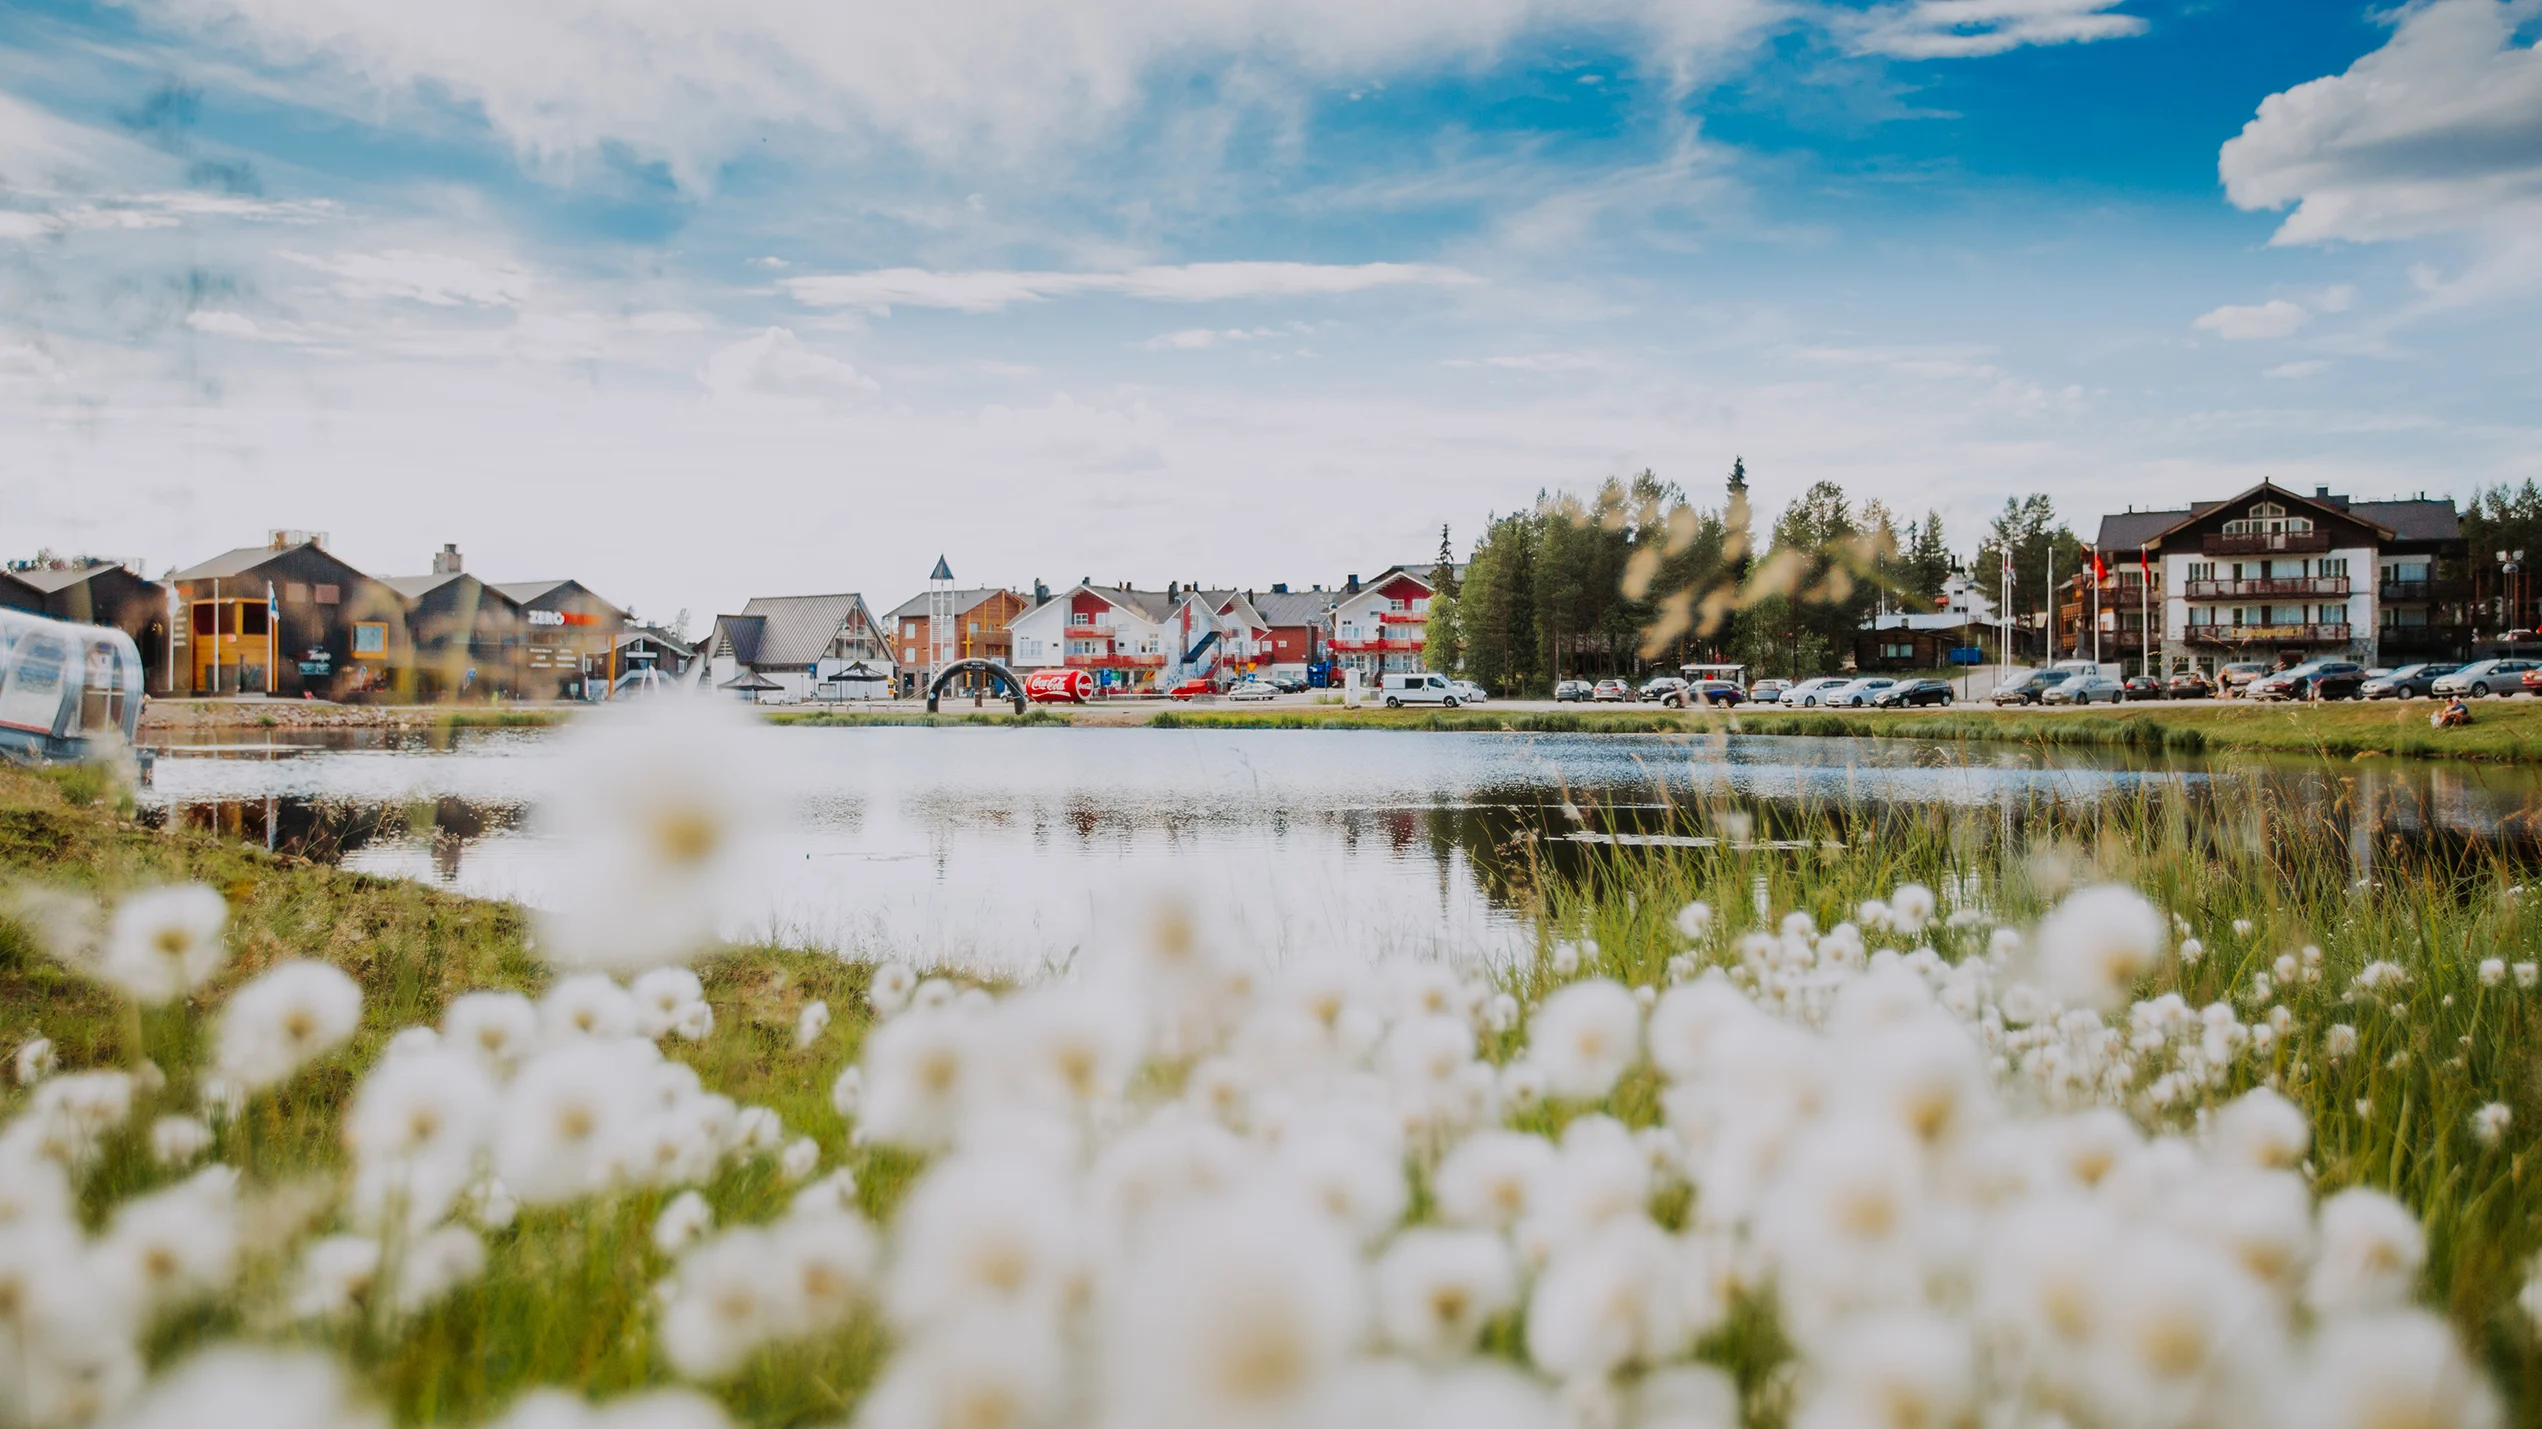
(370,639)
(2334,615)
(2202,615)
(1897,652)
(330,595)
(2202,570)
(2332,566)
(206,616)
(251,617)
(297,592)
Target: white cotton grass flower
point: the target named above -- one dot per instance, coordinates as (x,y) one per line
(1585,1037)
(833,1194)
(2399,1367)
(2527,975)
(1492,1179)
(283,1019)
(165,943)
(35,1061)
(172,1247)
(1694,921)
(1911,907)
(2098,944)
(847,1092)
(2371,1251)
(1614,1298)
(888,991)
(497,1028)
(238,1387)
(1239,1311)
(2489,1124)
(490,1204)
(652,1409)
(591,1005)
(664,998)
(923,1071)
(1436,1289)
(2493,971)
(566,1120)
(800,1158)
(336,1275)
(655,860)
(2340,1042)
(983,1228)
(683,1223)
(749,1288)
(2261,1129)
(810,1023)
(1892,1371)
(993,1369)
(427,1113)
(176,1140)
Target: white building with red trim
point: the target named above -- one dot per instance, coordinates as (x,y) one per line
(1383,625)
(1118,635)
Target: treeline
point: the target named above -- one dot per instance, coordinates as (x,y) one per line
(1637,579)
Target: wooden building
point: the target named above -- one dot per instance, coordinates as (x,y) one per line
(979,631)
(469,639)
(107,593)
(570,641)
(287,618)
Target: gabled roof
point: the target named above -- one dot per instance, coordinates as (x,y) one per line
(742,632)
(50,579)
(798,629)
(247,558)
(528,591)
(2332,507)
(2128,530)
(1293,607)
(963,600)
(1149,604)
(417,587)
(2422,519)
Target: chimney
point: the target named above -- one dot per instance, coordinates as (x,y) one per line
(1170,589)
(1041,593)
(1279,587)
(2321,493)
(1351,586)
(446,561)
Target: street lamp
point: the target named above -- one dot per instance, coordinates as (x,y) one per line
(2509,564)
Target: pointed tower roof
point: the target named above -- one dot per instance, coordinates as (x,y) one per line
(942,572)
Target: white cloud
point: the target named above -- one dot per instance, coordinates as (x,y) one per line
(1530,362)
(2438,131)
(776,365)
(691,83)
(2275,318)
(441,280)
(2289,370)
(990,290)
(1964,29)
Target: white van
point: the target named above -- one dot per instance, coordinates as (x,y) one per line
(1417,688)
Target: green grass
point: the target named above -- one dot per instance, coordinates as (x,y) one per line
(566,1297)
(1032,717)
(2502,730)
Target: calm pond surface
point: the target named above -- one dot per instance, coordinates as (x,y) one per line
(1014,847)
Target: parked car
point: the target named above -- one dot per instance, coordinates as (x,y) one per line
(1609,690)
(1469,692)
(1417,688)
(2234,678)
(2145,687)
(1908,693)
(1567,691)
(1856,694)
(1766,692)
(2482,677)
(1193,688)
(1812,692)
(2083,689)
(2027,687)
(2408,682)
(1703,692)
(2311,680)
(1660,687)
(2189,685)
(1253,690)
(1288,684)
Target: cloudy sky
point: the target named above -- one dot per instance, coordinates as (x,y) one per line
(699,300)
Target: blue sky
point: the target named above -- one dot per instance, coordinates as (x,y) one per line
(703,301)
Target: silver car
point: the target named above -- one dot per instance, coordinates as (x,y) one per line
(2083,689)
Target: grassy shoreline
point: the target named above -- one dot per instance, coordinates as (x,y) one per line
(2502,732)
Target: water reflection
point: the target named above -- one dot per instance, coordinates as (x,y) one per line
(1017,847)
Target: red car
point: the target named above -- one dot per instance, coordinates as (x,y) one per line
(1192,687)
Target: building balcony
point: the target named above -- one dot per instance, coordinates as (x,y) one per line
(2406,592)
(1403,617)
(2272,543)
(2274,586)
(2268,634)
(1088,632)
(1384,644)
(1116,662)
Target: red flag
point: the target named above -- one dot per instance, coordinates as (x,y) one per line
(2100,571)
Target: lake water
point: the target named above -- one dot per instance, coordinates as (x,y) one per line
(1012,848)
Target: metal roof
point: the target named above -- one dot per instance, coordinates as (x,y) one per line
(1150,604)
(798,629)
(50,579)
(963,600)
(417,587)
(244,559)
(1293,607)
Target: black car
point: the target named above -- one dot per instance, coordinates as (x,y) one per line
(2312,680)
(1906,694)
(2189,685)
(2144,687)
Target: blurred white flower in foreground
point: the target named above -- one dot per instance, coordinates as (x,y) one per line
(283,1019)
(166,942)
(657,806)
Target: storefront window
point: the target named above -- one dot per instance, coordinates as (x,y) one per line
(370,639)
